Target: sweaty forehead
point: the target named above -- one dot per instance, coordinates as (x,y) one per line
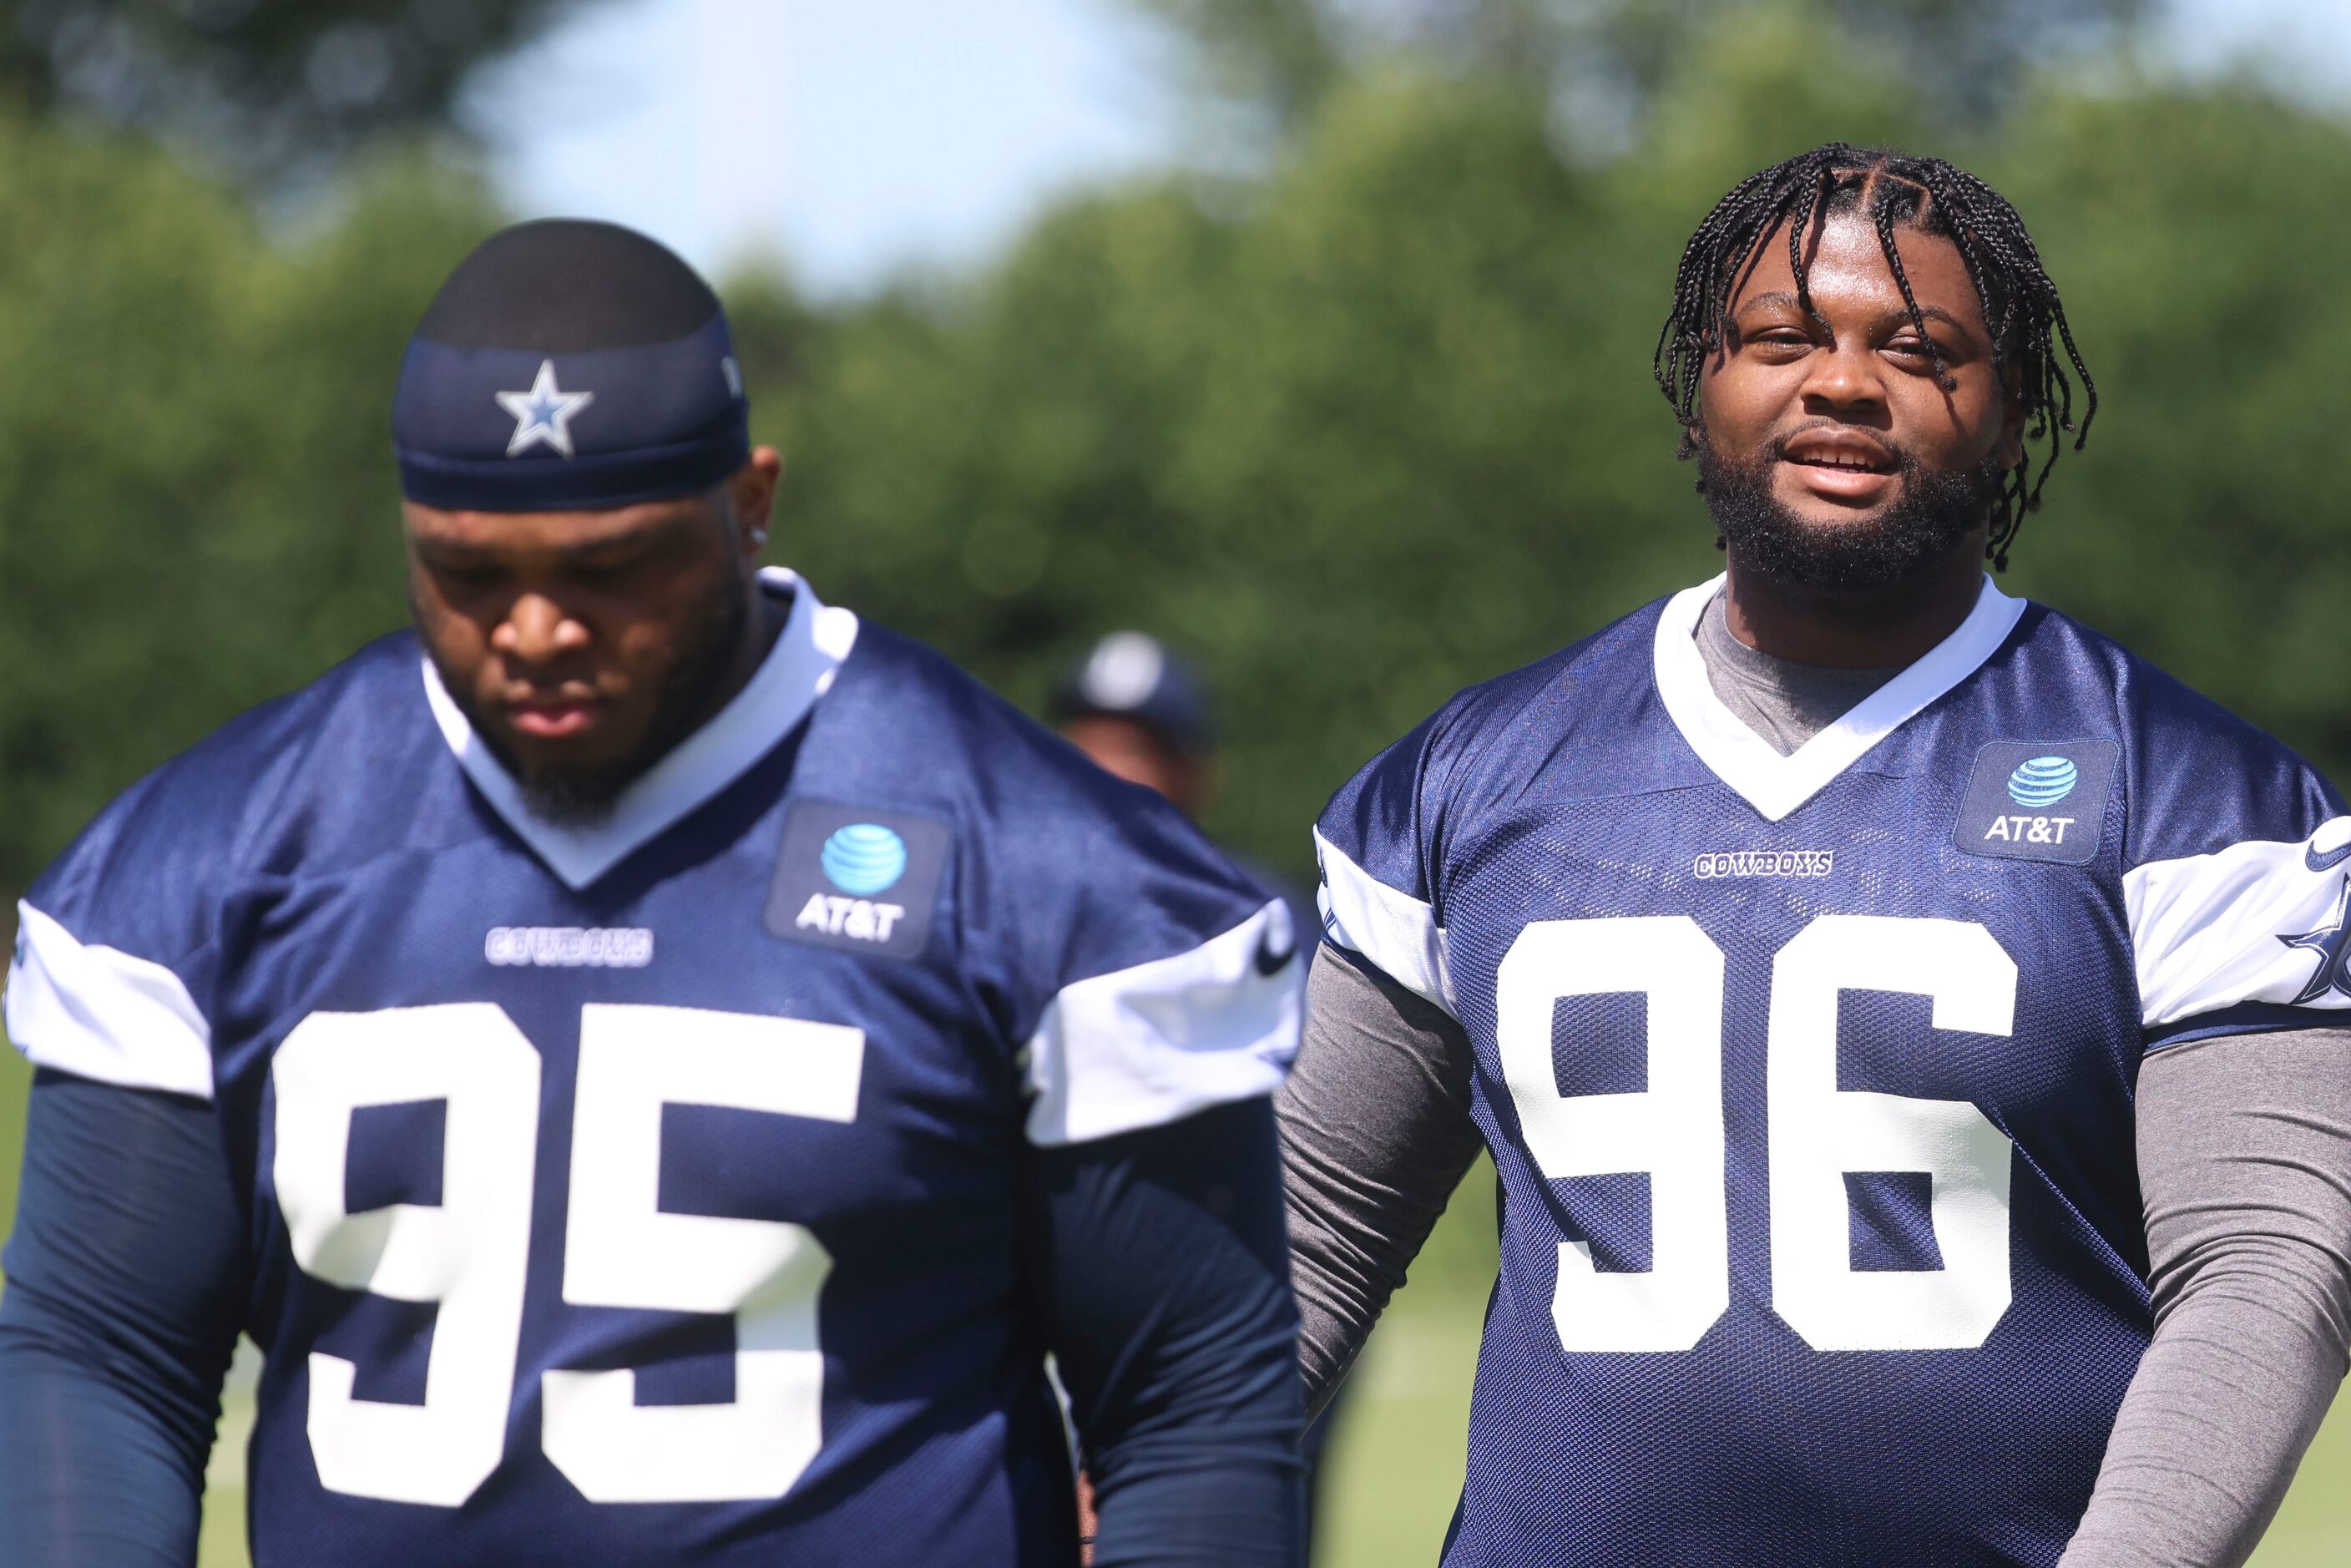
(560,533)
(1846,271)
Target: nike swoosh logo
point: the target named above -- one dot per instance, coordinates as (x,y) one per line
(1270,961)
(2327,862)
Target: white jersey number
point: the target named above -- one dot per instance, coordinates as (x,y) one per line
(1674,1130)
(470,1253)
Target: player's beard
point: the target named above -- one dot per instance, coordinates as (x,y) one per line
(582,796)
(1931,515)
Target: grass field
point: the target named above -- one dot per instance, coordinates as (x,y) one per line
(1396,1465)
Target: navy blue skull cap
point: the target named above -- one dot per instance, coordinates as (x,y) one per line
(567,365)
(1134,675)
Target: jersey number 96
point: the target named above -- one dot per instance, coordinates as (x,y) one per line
(1674,1130)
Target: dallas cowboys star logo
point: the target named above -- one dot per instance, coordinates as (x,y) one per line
(543,413)
(2333,946)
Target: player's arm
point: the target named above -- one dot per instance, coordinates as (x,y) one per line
(1375,1123)
(2244,1147)
(1151,994)
(2234,893)
(1375,1135)
(1160,1259)
(126,1281)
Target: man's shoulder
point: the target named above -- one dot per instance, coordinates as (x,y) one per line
(1146,973)
(344,748)
(373,698)
(892,680)
(1599,686)
(1588,678)
(906,719)
(2197,773)
(2076,664)
(1389,821)
(904,726)
(117,938)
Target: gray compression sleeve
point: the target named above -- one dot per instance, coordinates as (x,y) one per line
(1375,1134)
(2244,1148)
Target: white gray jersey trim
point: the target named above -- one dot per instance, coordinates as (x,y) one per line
(1144,1046)
(1776,785)
(1398,933)
(2211,931)
(102,1014)
(796,670)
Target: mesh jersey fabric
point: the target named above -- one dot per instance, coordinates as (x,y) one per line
(711,1118)
(1820,1230)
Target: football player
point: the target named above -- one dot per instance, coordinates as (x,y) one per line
(654,1063)
(1137,709)
(1909,1026)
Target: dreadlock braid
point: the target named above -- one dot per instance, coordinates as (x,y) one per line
(2020,305)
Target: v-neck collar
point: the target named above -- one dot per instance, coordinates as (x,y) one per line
(1776,785)
(796,670)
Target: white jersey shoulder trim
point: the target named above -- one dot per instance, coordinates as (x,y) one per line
(1776,785)
(2257,922)
(797,670)
(1152,1044)
(1398,933)
(99,1013)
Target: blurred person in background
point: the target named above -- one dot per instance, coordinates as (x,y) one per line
(1143,714)
(655,1062)
(1910,1027)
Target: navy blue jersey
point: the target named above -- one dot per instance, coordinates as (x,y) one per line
(646,1192)
(1809,1078)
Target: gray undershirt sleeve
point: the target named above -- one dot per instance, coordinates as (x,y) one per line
(1375,1134)
(2244,1149)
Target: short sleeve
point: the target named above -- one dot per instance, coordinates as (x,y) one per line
(113,948)
(2237,887)
(1376,897)
(1160,980)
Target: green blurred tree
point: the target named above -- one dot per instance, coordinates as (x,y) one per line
(1603,62)
(197,505)
(285,84)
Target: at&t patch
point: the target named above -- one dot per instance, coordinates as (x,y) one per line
(857,879)
(2038,800)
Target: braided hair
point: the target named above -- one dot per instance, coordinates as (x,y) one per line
(2020,303)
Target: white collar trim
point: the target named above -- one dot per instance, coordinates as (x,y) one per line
(796,670)
(1776,785)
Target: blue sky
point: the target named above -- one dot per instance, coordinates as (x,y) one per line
(848,138)
(851,139)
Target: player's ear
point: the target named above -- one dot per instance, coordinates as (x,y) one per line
(752,488)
